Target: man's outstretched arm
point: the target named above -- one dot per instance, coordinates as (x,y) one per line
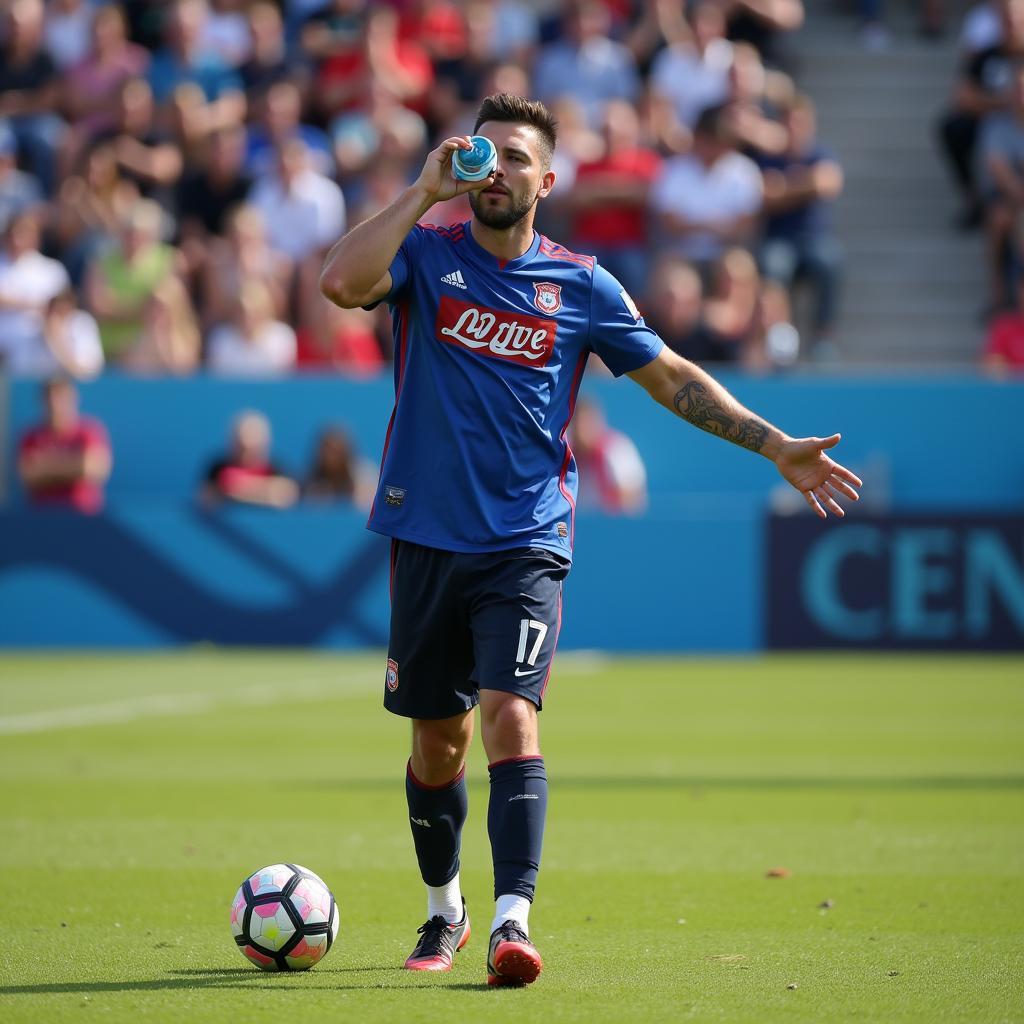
(699,399)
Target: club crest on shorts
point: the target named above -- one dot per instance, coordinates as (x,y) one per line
(547,297)
(391,677)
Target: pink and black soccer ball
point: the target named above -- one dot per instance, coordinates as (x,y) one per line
(284,918)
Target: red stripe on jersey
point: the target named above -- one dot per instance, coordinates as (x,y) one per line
(559,252)
(403,313)
(568,451)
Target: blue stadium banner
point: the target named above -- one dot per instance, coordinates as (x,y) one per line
(899,582)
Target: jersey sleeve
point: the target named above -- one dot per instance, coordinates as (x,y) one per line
(406,258)
(618,333)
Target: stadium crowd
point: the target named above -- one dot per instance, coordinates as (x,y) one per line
(172,173)
(982,137)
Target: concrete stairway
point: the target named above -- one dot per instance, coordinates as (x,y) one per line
(913,284)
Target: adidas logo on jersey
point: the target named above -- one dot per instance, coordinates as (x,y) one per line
(454,278)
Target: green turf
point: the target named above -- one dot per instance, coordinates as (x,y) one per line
(890,788)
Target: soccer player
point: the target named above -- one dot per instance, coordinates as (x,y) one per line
(493,326)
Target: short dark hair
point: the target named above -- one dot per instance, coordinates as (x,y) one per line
(504,106)
(712,123)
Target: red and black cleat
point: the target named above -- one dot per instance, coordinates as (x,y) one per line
(439,942)
(512,959)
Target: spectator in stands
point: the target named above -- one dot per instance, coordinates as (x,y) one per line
(18,190)
(982,27)
(195,91)
(732,308)
(71,338)
(92,93)
(332,27)
(610,196)
(339,339)
(243,256)
(207,195)
(280,121)
(755,97)
(146,153)
(30,89)
(982,89)
(761,22)
(338,473)
(253,343)
(170,341)
(118,281)
(304,210)
(246,475)
(1004,344)
(613,477)
(344,78)
(674,308)
(91,207)
(383,132)
(800,186)
(66,31)
(66,460)
(226,32)
(691,74)
(268,53)
(28,282)
(513,31)
(1001,151)
(710,198)
(586,64)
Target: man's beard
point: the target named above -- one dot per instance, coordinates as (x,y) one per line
(498,219)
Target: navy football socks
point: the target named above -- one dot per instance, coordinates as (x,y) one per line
(515,823)
(437,814)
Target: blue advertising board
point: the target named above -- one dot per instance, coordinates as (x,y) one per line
(922,581)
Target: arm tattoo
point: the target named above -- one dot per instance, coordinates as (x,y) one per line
(696,405)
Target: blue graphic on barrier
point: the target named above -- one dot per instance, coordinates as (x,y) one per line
(169,593)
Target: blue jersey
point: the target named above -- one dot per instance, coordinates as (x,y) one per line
(488,360)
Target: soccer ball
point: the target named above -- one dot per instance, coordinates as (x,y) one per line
(284,918)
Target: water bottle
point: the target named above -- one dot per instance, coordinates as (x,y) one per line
(477,163)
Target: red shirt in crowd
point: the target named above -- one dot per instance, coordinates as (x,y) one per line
(1006,339)
(354,352)
(85,436)
(616,223)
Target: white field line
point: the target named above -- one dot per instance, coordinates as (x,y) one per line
(163,705)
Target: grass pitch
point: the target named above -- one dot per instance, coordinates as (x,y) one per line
(137,792)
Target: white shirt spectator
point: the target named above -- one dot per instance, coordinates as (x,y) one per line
(31,280)
(227,35)
(81,353)
(731,187)
(982,28)
(515,29)
(693,82)
(67,32)
(593,73)
(270,353)
(303,219)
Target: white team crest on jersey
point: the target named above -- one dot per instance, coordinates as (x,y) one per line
(547,297)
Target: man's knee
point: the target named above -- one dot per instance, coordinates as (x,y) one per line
(509,724)
(439,747)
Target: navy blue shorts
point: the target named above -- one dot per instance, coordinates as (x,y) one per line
(465,622)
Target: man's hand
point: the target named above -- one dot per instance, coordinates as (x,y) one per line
(804,464)
(436,180)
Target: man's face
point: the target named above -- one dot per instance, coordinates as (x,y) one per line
(520,177)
